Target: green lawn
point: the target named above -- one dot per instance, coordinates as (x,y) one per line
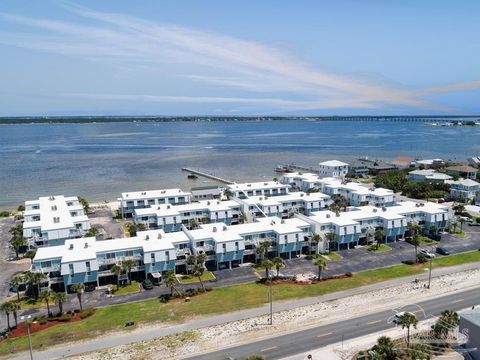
(220,300)
(381,248)
(189,279)
(127,289)
(459,233)
(332,256)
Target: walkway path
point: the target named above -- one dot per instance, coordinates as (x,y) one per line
(153,332)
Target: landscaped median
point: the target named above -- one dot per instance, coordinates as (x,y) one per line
(220,300)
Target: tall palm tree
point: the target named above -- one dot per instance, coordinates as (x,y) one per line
(170,281)
(461,221)
(7,308)
(46,296)
(262,248)
(331,237)
(16,281)
(227,193)
(117,270)
(30,254)
(59,299)
(79,289)
(432,229)
(127,266)
(408,320)
(16,242)
(321,264)
(242,218)
(316,238)
(278,263)
(35,279)
(201,258)
(267,264)
(379,236)
(191,260)
(198,270)
(14,307)
(447,321)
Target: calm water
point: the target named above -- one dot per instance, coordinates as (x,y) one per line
(99,161)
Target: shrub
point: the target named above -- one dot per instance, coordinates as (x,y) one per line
(184,277)
(4,214)
(86,313)
(422,259)
(76,311)
(64,318)
(210,289)
(191,292)
(42,321)
(164,298)
(408,262)
(348,274)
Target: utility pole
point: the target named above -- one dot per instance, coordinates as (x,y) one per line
(430,270)
(27,324)
(271,303)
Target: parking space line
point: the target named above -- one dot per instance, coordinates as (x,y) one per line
(323,335)
(268,349)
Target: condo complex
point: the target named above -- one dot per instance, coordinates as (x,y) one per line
(228,228)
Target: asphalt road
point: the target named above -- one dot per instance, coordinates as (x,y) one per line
(316,337)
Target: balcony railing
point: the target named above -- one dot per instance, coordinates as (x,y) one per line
(118,259)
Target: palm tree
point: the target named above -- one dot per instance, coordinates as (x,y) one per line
(331,237)
(198,270)
(278,263)
(420,351)
(46,296)
(267,264)
(316,238)
(262,249)
(408,320)
(35,279)
(7,308)
(379,236)
(117,271)
(461,221)
(59,298)
(321,264)
(79,289)
(242,218)
(16,230)
(416,242)
(127,266)
(201,258)
(432,229)
(30,254)
(14,307)
(16,281)
(170,281)
(447,321)
(384,349)
(16,242)
(191,260)
(227,193)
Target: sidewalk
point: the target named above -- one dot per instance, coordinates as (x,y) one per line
(152,332)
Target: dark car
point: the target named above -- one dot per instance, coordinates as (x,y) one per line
(442,251)
(473,224)
(147,284)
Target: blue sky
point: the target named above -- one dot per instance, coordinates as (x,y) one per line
(239,57)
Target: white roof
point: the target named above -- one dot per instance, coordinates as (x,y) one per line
(172,210)
(295,196)
(465,182)
(424,172)
(47,214)
(153,194)
(149,241)
(438,176)
(257,186)
(333,163)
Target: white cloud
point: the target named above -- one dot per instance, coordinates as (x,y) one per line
(217,59)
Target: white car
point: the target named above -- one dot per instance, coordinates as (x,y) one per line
(427,253)
(398,315)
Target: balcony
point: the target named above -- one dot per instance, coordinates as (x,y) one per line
(204,248)
(116,260)
(183,252)
(56,280)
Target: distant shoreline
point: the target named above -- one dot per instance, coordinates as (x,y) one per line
(160,119)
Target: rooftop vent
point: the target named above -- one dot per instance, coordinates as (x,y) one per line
(208,202)
(70,247)
(249,185)
(158,207)
(147,237)
(374,210)
(51,198)
(384,208)
(168,206)
(272,222)
(282,221)
(159,236)
(265,184)
(85,245)
(301,194)
(214,229)
(218,202)
(56,220)
(328,216)
(163,191)
(224,228)
(54,208)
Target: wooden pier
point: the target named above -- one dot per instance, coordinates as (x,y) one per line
(294,167)
(208,176)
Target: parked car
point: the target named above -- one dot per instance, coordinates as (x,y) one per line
(473,224)
(427,253)
(90,287)
(147,284)
(442,251)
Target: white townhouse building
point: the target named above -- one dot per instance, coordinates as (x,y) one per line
(429,175)
(465,189)
(268,188)
(283,205)
(358,223)
(142,199)
(171,217)
(51,220)
(154,252)
(356,194)
(333,168)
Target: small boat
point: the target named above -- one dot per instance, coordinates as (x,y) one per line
(280,168)
(192,176)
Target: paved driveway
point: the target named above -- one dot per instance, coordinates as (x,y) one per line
(104,218)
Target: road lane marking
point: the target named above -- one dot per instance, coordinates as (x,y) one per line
(457,301)
(326,334)
(374,322)
(270,348)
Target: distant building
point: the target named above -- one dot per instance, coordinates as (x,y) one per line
(51,220)
(465,189)
(268,188)
(206,193)
(463,171)
(361,167)
(143,199)
(474,161)
(470,324)
(428,175)
(427,163)
(333,168)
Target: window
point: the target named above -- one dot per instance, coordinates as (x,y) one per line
(224,246)
(110,255)
(129,253)
(70,267)
(152,258)
(285,237)
(87,264)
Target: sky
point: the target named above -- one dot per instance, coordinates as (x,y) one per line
(248,57)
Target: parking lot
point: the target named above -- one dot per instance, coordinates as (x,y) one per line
(104,219)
